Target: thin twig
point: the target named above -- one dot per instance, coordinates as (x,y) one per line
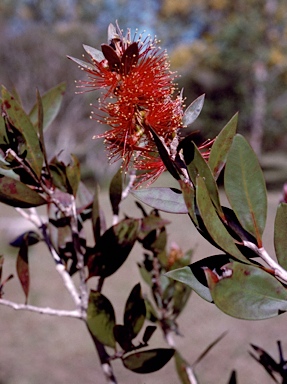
(45,311)
(279,272)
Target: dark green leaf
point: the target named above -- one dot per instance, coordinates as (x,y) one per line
(164,199)
(193,110)
(101,318)
(22,266)
(221,146)
(116,189)
(17,194)
(19,119)
(135,311)
(96,216)
(213,224)
(149,331)
(245,187)
(247,292)
(113,247)
(148,361)
(123,337)
(280,238)
(51,102)
(181,294)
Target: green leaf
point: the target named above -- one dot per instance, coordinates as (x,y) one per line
(245,187)
(101,318)
(199,167)
(151,313)
(221,146)
(51,102)
(193,110)
(19,119)
(148,361)
(189,199)
(135,311)
(116,189)
(113,248)
(247,292)
(212,222)
(186,276)
(22,267)
(164,199)
(280,238)
(17,194)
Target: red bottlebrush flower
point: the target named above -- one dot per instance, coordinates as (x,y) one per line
(137,93)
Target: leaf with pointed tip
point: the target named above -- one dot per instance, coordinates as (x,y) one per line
(113,248)
(95,54)
(199,167)
(135,311)
(164,199)
(280,238)
(17,194)
(22,266)
(82,63)
(148,361)
(247,292)
(22,123)
(101,318)
(116,189)
(193,110)
(151,313)
(51,101)
(212,222)
(219,150)
(245,187)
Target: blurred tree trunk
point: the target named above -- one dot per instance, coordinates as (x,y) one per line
(259,106)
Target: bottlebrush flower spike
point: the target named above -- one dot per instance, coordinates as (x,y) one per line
(137,93)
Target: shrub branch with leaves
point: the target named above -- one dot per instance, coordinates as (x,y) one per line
(146,130)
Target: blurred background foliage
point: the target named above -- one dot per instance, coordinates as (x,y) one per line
(234,52)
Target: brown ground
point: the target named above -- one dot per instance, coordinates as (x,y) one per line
(36,349)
